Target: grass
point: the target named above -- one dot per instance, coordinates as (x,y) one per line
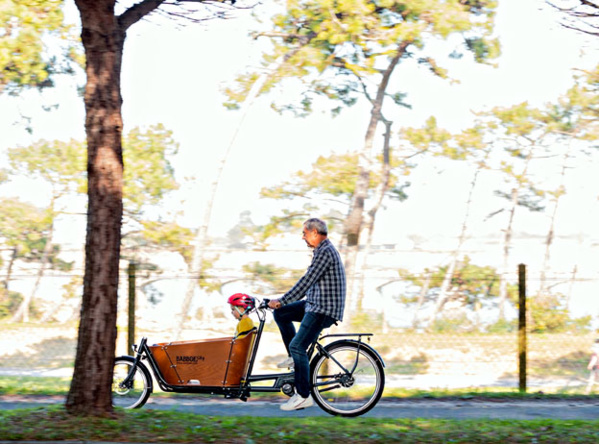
(59,386)
(557,355)
(53,423)
(32,385)
(146,425)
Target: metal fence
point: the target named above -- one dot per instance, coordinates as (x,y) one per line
(417,358)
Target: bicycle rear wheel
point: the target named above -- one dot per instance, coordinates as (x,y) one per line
(348,383)
(134,394)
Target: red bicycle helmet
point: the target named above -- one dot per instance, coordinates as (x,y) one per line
(242,300)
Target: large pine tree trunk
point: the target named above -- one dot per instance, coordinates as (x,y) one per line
(103,36)
(103,40)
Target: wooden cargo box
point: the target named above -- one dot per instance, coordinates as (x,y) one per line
(220,362)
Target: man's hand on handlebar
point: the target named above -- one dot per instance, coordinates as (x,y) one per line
(274,304)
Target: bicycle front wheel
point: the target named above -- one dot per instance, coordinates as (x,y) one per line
(349,381)
(134,393)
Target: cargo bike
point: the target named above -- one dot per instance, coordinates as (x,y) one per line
(347,375)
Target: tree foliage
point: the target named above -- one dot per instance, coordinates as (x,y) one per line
(348,50)
(436,141)
(580,106)
(338,49)
(58,164)
(548,314)
(471,288)
(25,233)
(24,229)
(149,177)
(331,177)
(326,188)
(470,283)
(26,57)
(517,139)
(268,279)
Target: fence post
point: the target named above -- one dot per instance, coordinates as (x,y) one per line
(522,342)
(131,313)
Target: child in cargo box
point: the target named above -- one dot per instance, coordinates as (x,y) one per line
(241,305)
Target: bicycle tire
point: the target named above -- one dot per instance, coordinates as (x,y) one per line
(135,396)
(340,394)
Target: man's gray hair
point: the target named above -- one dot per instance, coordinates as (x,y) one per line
(317,224)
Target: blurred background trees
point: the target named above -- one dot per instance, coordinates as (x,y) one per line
(317,56)
(340,58)
(36,45)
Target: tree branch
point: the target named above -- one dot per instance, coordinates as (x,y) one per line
(138,11)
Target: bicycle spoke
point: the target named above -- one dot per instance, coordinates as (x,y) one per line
(132,393)
(343,393)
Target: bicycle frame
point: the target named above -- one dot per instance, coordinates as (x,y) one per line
(280,381)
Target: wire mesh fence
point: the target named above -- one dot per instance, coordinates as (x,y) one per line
(462,348)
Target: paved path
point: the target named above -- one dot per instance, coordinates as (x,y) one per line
(421,408)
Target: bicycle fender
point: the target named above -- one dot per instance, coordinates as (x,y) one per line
(360,344)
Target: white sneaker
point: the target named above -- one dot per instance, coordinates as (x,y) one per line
(287,363)
(296,402)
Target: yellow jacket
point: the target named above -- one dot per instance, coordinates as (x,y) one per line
(244,326)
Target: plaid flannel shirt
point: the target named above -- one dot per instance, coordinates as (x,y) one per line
(323,284)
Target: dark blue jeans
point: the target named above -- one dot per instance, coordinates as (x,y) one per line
(297,344)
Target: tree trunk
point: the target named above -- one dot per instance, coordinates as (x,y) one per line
(421,297)
(103,40)
(571,286)
(386,302)
(201,239)
(549,238)
(49,314)
(507,243)
(507,240)
(371,216)
(23,310)
(103,37)
(444,290)
(13,258)
(461,239)
(11,264)
(355,219)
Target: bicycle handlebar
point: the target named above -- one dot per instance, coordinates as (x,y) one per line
(264,304)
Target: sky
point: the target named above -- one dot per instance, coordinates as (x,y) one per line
(174,75)
(185,71)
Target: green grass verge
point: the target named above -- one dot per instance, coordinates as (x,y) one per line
(53,386)
(54,423)
(31,385)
